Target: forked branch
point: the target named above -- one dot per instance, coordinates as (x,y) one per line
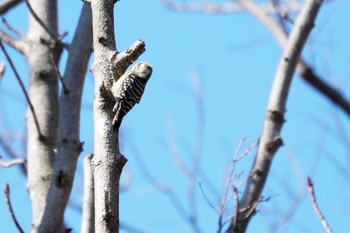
(306,71)
(270,140)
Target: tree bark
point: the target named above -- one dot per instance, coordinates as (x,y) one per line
(109,64)
(88,218)
(68,144)
(107,161)
(43,93)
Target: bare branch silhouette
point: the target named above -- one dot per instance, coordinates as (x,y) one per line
(16,44)
(9,206)
(5,145)
(270,140)
(40,135)
(226,198)
(317,209)
(7,5)
(162,187)
(65,90)
(306,71)
(229,7)
(207,199)
(7,24)
(53,35)
(11,162)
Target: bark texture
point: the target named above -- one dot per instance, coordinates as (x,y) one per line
(53,135)
(88,218)
(107,161)
(43,92)
(109,64)
(68,143)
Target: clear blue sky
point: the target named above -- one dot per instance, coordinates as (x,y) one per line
(235,59)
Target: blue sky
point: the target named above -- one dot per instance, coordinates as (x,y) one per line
(235,59)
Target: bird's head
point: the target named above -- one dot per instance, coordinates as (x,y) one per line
(143,70)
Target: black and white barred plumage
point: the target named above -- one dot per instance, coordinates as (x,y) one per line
(128,90)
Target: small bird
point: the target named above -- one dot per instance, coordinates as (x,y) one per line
(128,90)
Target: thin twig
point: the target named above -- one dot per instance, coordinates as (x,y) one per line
(19,45)
(162,187)
(317,209)
(224,199)
(176,157)
(210,7)
(283,14)
(12,162)
(305,70)
(7,24)
(41,137)
(10,152)
(197,153)
(237,156)
(7,5)
(9,206)
(65,90)
(323,87)
(53,35)
(207,199)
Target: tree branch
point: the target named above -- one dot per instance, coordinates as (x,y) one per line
(122,60)
(31,107)
(7,24)
(53,34)
(69,145)
(12,162)
(270,140)
(59,76)
(43,92)
(209,7)
(107,67)
(10,152)
(305,70)
(7,5)
(16,44)
(88,218)
(108,162)
(317,209)
(9,206)
(323,87)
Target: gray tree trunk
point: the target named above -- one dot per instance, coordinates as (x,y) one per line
(53,143)
(43,93)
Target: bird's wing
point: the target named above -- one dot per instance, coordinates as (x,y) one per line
(117,117)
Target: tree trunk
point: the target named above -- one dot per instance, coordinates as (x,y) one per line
(43,93)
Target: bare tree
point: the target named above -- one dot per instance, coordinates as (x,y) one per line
(270,140)
(53,133)
(53,143)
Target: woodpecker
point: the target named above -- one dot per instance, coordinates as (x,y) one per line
(128,90)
